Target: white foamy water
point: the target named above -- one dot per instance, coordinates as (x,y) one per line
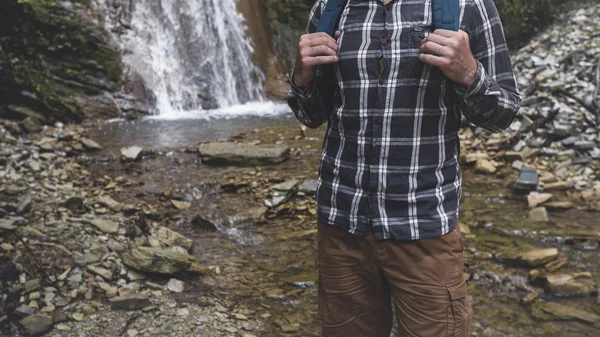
(255,109)
(193,55)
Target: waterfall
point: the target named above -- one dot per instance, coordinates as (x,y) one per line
(192,55)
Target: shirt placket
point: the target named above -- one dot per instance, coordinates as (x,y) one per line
(377,119)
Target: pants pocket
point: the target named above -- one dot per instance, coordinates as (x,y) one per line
(460,312)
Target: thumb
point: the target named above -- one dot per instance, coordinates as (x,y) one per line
(338,33)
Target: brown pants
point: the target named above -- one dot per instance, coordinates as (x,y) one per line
(359,277)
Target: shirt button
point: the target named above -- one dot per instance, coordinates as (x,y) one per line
(374,160)
(384,41)
(378,120)
(381,81)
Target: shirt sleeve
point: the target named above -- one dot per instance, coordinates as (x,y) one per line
(493,100)
(311,105)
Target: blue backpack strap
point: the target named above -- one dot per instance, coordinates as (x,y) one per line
(330,17)
(446,14)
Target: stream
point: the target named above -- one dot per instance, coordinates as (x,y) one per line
(268,266)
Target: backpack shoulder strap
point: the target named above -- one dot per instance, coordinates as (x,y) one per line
(446,14)
(330,17)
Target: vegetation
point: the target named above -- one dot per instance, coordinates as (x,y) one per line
(50,51)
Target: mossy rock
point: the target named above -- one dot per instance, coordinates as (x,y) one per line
(51,56)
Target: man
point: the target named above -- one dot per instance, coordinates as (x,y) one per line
(389,181)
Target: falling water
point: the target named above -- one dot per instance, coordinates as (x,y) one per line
(193,55)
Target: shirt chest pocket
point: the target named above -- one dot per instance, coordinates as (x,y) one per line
(403,54)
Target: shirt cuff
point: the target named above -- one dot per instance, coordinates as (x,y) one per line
(479,85)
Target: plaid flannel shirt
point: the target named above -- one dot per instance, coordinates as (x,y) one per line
(390,159)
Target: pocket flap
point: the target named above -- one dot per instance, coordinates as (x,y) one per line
(457,290)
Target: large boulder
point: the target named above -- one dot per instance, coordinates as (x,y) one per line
(242,154)
(157,260)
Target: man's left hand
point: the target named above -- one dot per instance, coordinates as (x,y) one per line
(451,52)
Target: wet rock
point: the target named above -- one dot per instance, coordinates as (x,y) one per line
(566,312)
(130,302)
(559,205)
(532,257)
(156,260)
(557,264)
(36,325)
(90,144)
(242,154)
(538,214)
(175,285)
(535,198)
(131,153)
(169,238)
(31,125)
(530,298)
(485,166)
(568,284)
(200,220)
(558,186)
(303,279)
(527,181)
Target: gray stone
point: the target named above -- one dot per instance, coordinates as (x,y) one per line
(36,325)
(175,285)
(131,153)
(24,310)
(308,187)
(528,180)
(130,302)
(242,154)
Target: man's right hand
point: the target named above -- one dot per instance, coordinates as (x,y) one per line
(313,50)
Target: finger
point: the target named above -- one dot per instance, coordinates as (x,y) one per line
(445,33)
(434,48)
(327,40)
(441,40)
(320,50)
(433,60)
(338,33)
(319,60)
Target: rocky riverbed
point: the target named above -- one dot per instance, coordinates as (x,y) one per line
(146,236)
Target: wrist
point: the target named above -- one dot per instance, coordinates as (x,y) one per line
(470,75)
(302,77)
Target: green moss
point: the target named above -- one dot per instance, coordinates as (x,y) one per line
(45,44)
